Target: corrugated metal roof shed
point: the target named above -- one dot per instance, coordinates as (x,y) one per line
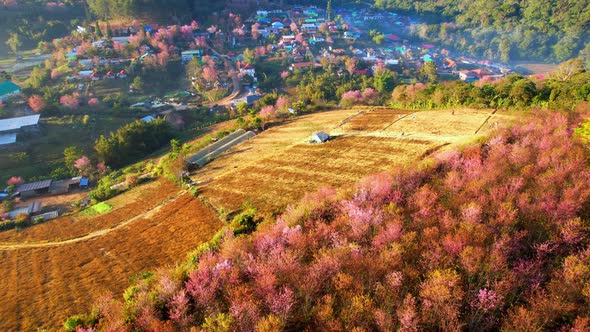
(14,213)
(34,186)
(34,207)
(48,215)
(17,123)
(8,87)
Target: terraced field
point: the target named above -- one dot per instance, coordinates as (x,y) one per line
(46,281)
(279,166)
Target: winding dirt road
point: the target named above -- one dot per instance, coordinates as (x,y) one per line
(235,81)
(92,235)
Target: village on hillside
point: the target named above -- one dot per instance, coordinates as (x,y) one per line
(192,76)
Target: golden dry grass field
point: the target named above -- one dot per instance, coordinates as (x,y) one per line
(277,167)
(60,268)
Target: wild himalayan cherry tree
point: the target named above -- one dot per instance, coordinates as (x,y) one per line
(37,103)
(209,74)
(268,112)
(83,165)
(93,102)
(370,96)
(15,181)
(351,97)
(70,101)
(255,31)
(282,104)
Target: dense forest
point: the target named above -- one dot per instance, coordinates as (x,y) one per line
(508,30)
(32,22)
(190,9)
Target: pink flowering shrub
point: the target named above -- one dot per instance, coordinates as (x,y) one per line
(71,102)
(93,102)
(268,112)
(15,181)
(352,97)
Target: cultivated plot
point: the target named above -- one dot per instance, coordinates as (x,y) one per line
(43,282)
(279,166)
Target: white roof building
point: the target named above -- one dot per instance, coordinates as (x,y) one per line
(7,138)
(13,124)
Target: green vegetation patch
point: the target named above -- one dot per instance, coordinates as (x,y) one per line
(97,209)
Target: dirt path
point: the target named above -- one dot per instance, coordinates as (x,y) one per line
(94,234)
(235,81)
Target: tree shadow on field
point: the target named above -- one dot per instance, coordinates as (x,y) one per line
(236,151)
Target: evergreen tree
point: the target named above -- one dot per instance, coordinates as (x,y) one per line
(109,31)
(97,30)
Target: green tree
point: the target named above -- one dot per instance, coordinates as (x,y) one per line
(329,10)
(428,72)
(268,100)
(175,146)
(39,78)
(109,31)
(14,43)
(569,68)
(101,8)
(97,30)
(585,55)
(137,83)
(379,38)
(523,91)
(384,81)
(242,108)
(584,130)
(505,48)
(249,56)
(71,154)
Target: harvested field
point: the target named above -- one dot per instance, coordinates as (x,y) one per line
(440,125)
(132,203)
(375,120)
(279,166)
(276,181)
(42,286)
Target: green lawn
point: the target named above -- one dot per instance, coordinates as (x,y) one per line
(8,60)
(36,155)
(96,209)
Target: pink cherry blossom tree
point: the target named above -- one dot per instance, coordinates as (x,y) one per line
(15,181)
(71,102)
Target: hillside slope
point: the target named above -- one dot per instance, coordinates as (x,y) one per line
(494,235)
(508,30)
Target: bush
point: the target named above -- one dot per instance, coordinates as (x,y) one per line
(131,180)
(245,222)
(103,191)
(132,142)
(75,322)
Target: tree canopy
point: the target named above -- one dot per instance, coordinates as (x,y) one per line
(507,30)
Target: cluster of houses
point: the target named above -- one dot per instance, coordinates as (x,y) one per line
(34,190)
(95,76)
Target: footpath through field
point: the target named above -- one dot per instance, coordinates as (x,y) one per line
(92,235)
